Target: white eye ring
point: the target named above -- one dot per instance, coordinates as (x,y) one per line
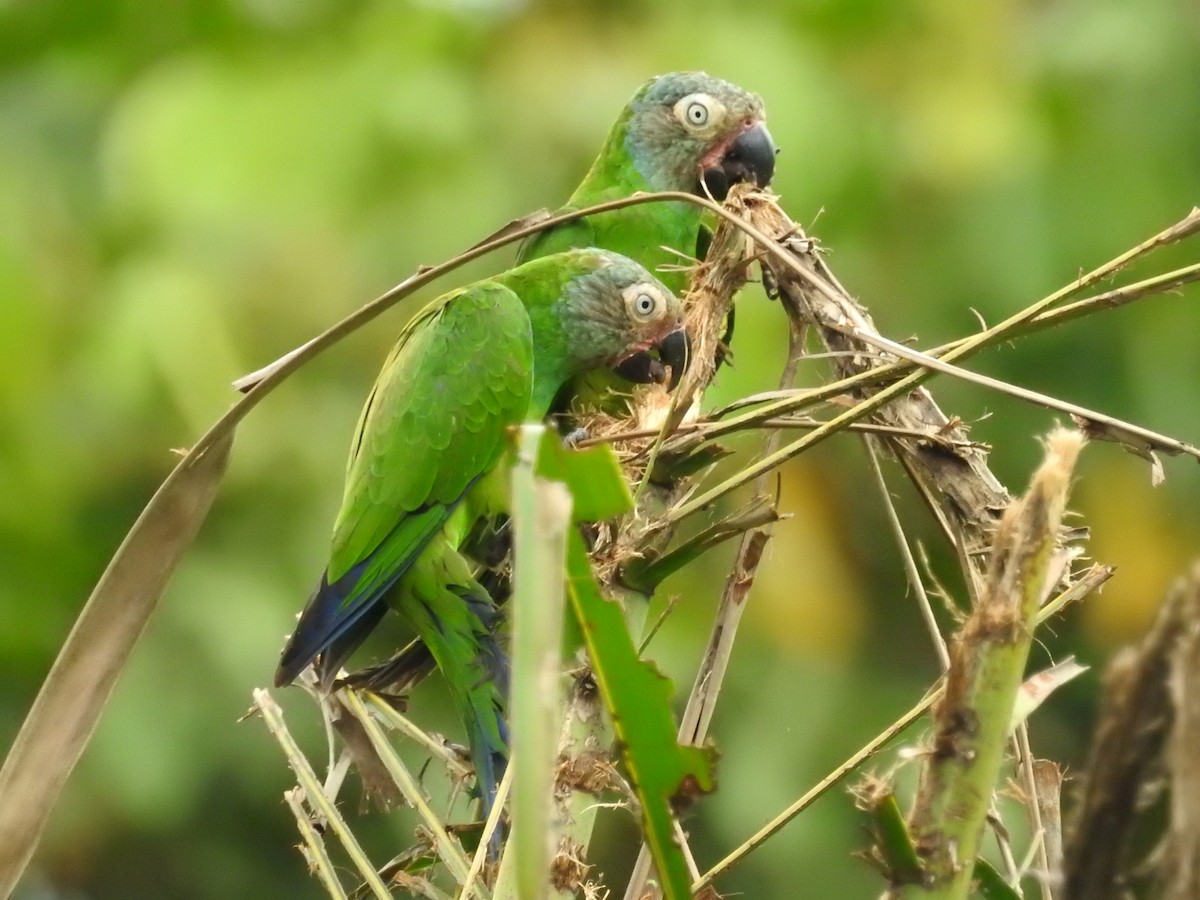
(699,112)
(643,302)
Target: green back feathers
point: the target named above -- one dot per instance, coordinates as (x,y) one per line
(456,381)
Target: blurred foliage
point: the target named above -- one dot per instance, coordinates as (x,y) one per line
(189,189)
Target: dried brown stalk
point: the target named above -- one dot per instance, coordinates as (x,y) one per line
(1149,721)
(1128,737)
(955,481)
(1181,868)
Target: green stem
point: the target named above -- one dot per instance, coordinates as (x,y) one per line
(973,717)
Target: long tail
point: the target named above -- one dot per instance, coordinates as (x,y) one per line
(457,623)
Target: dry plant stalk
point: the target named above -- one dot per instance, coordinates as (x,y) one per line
(1145,740)
(951,474)
(1181,866)
(1048,776)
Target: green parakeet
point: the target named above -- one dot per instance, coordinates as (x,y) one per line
(428,461)
(685,131)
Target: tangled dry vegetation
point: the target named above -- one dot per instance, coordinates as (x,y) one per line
(1020,565)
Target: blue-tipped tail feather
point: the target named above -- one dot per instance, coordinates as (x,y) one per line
(339,615)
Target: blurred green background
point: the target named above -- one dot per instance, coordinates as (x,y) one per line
(189,189)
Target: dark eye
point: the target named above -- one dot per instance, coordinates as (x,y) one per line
(697,113)
(644,304)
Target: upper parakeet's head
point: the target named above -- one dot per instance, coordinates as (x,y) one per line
(688,131)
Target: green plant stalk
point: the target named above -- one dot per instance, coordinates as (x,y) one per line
(586,734)
(584,727)
(987,668)
(541,516)
(964,768)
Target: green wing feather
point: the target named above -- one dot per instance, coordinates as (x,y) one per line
(435,424)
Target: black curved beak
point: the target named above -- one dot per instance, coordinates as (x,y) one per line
(675,350)
(750,157)
(643,368)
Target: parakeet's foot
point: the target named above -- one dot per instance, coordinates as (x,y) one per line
(397,675)
(575,437)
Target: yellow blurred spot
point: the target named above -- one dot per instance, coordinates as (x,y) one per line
(960,91)
(959,130)
(1133,529)
(806,597)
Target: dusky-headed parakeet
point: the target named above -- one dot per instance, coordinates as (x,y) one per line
(685,131)
(428,461)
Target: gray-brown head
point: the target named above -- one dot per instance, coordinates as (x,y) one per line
(688,131)
(594,309)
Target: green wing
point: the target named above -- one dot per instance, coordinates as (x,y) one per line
(436,422)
